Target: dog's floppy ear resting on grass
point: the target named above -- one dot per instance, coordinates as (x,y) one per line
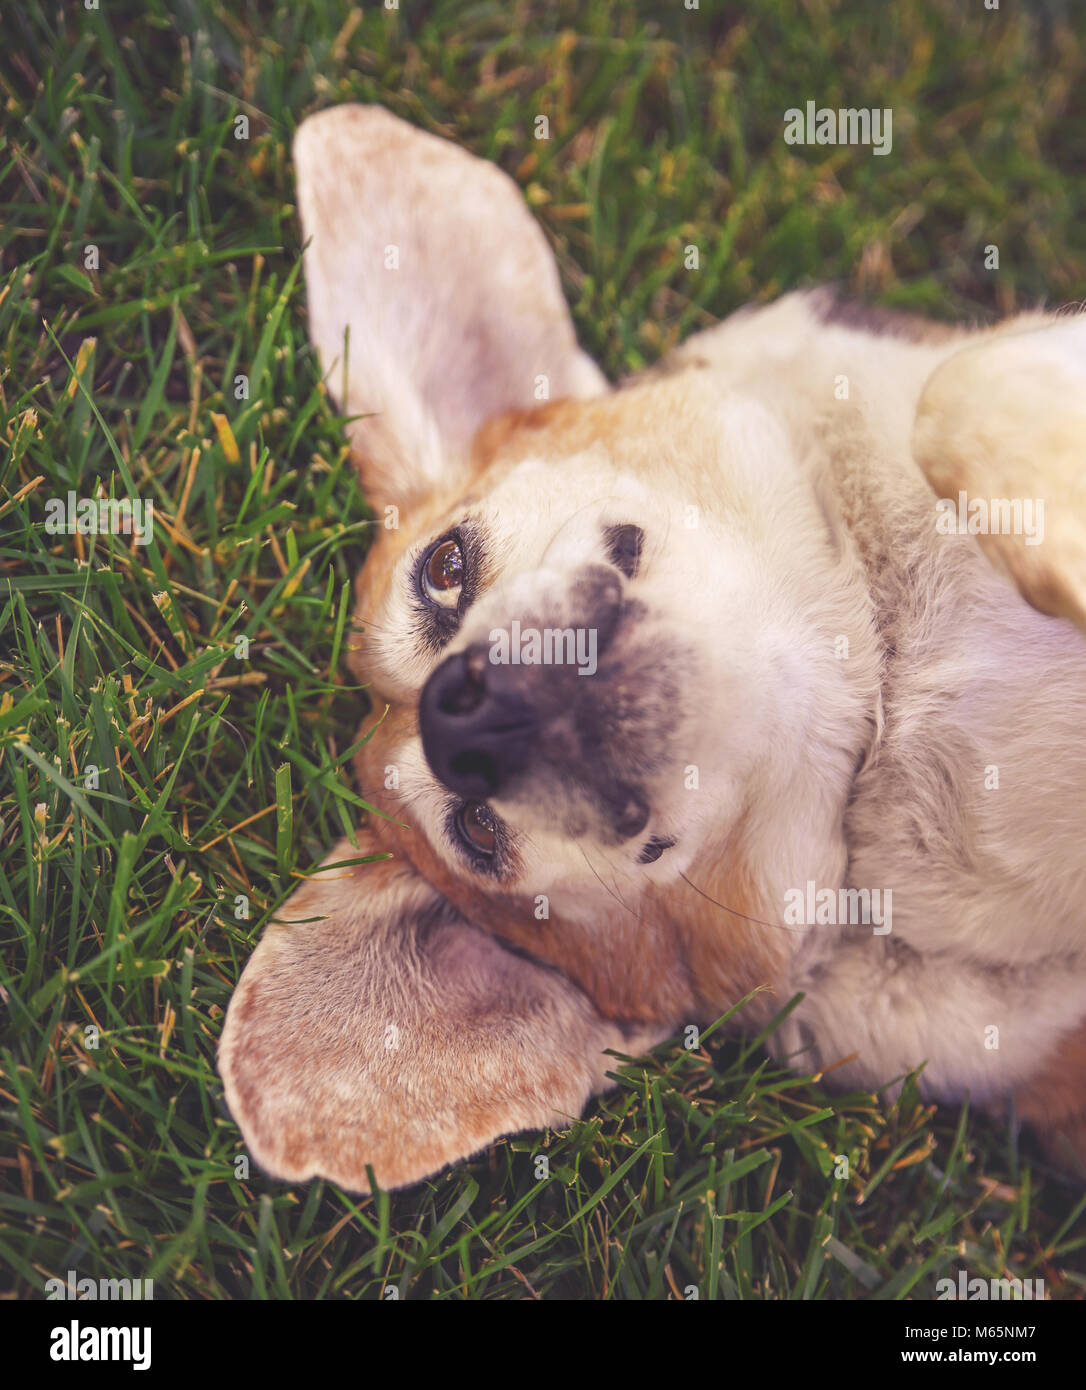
(373,1024)
(1006,418)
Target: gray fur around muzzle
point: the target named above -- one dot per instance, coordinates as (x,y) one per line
(567,715)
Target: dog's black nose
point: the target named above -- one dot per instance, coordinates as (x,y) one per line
(478,727)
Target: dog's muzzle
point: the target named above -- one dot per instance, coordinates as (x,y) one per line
(479,723)
(497,728)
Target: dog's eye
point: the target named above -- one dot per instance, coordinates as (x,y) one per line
(624,548)
(443,573)
(476,824)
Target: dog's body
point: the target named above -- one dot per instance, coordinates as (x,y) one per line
(802,686)
(971,798)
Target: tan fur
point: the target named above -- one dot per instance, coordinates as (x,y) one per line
(347,1036)
(673,956)
(825,682)
(1055,1101)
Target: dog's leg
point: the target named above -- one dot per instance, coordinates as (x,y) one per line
(981,1030)
(1005,421)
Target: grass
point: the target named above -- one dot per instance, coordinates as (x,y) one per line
(221,774)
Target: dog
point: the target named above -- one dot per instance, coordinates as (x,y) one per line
(698,688)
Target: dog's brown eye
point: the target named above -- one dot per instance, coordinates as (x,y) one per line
(443,573)
(477,826)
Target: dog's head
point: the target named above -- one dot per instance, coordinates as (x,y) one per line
(602,631)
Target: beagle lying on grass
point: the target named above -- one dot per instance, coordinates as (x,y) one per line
(694,686)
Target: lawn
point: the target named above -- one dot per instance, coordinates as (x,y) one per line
(177,719)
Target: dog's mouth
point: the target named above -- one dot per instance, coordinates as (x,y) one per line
(571,726)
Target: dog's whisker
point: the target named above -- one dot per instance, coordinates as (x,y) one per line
(607,890)
(365,625)
(774,926)
(592,502)
(661,544)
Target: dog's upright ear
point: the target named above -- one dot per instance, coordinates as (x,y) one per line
(434,300)
(1006,420)
(378,1027)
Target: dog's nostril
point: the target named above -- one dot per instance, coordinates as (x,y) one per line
(478,728)
(464,687)
(475,764)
